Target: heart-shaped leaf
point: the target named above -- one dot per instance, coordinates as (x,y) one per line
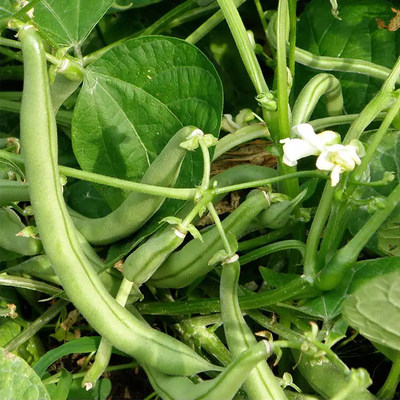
(134,99)
(19,380)
(374,310)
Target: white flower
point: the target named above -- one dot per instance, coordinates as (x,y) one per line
(309,144)
(333,156)
(338,159)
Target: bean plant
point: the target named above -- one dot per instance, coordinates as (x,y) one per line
(135,235)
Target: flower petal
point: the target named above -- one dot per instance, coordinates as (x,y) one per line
(295,149)
(335,175)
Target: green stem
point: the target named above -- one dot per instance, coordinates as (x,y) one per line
(322,123)
(292,37)
(310,259)
(294,289)
(261,15)
(264,182)
(180,194)
(265,239)
(161,23)
(36,325)
(273,248)
(274,327)
(247,55)
(242,135)
(219,226)
(31,284)
(281,71)
(17,45)
(209,25)
(205,182)
(191,15)
(55,378)
(388,389)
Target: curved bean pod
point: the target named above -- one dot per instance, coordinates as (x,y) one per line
(261,383)
(224,386)
(188,264)
(138,207)
(81,283)
(11,225)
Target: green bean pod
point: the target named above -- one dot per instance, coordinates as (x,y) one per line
(326,378)
(137,207)
(190,263)
(11,225)
(278,214)
(57,231)
(12,191)
(146,259)
(261,383)
(223,387)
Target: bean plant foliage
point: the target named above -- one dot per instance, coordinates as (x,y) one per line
(199,199)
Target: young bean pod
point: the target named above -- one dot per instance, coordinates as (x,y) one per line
(188,264)
(79,280)
(138,207)
(11,226)
(144,261)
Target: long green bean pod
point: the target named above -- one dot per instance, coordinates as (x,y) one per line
(81,283)
(137,207)
(261,383)
(188,264)
(223,387)
(10,239)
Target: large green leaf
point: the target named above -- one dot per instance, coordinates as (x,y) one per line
(328,305)
(374,309)
(19,380)
(356,35)
(66,23)
(135,98)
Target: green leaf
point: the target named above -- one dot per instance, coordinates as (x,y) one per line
(134,99)
(389,235)
(356,35)
(99,392)
(328,305)
(63,386)
(19,380)
(385,158)
(86,344)
(85,199)
(66,23)
(374,310)
(6,9)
